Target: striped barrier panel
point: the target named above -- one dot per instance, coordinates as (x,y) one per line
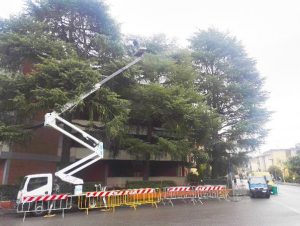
(93,200)
(211,191)
(183,193)
(210,188)
(42,204)
(194,193)
(44,198)
(142,196)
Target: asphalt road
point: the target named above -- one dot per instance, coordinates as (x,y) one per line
(283,209)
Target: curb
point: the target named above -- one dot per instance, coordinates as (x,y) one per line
(7,211)
(7,207)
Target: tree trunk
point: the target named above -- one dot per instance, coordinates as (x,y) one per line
(215,163)
(146,172)
(214,169)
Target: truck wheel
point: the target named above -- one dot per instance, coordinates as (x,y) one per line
(40,210)
(268,196)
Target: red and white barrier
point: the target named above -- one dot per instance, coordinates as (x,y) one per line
(185,188)
(142,191)
(101,193)
(117,193)
(210,191)
(44,198)
(210,188)
(44,203)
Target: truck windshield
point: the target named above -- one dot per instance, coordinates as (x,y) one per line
(23,183)
(257,180)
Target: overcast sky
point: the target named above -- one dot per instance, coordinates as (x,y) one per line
(268,29)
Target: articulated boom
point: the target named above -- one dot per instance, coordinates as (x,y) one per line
(52,119)
(97,148)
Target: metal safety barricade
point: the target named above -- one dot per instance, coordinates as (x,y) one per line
(44,203)
(183,193)
(142,196)
(211,191)
(224,194)
(97,200)
(113,199)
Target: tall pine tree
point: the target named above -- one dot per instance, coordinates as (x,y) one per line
(233,88)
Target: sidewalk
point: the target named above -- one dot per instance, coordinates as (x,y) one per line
(286,183)
(7,207)
(6,211)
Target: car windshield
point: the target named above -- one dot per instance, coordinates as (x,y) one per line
(257,180)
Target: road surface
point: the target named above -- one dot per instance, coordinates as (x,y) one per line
(283,209)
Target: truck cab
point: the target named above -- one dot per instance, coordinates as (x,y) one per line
(35,184)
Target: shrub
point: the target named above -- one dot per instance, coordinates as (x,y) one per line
(149,184)
(192,178)
(90,186)
(8,192)
(65,187)
(215,181)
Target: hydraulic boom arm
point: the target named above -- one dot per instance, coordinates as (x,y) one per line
(52,119)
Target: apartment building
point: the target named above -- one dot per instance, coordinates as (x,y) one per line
(273,157)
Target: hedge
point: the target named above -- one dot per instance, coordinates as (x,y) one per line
(69,188)
(8,192)
(194,179)
(149,184)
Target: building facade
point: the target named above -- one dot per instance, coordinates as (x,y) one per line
(42,154)
(273,157)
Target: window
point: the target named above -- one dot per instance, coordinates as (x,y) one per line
(37,182)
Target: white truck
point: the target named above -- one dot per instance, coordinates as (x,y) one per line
(42,184)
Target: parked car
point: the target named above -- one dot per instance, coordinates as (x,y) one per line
(258,187)
(268,177)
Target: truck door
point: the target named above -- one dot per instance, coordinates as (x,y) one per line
(37,185)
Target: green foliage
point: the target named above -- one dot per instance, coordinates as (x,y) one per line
(57,82)
(275,171)
(90,186)
(200,157)
(156,44)
(175,112)
(192,178)
(233,89)
(195,180)
(292,179)
(25,40)
(218,181)
(86,24)
(149,184)
(11,133)
(8,192)
(58,41)
(294,164)
(170,116)
(239,159)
